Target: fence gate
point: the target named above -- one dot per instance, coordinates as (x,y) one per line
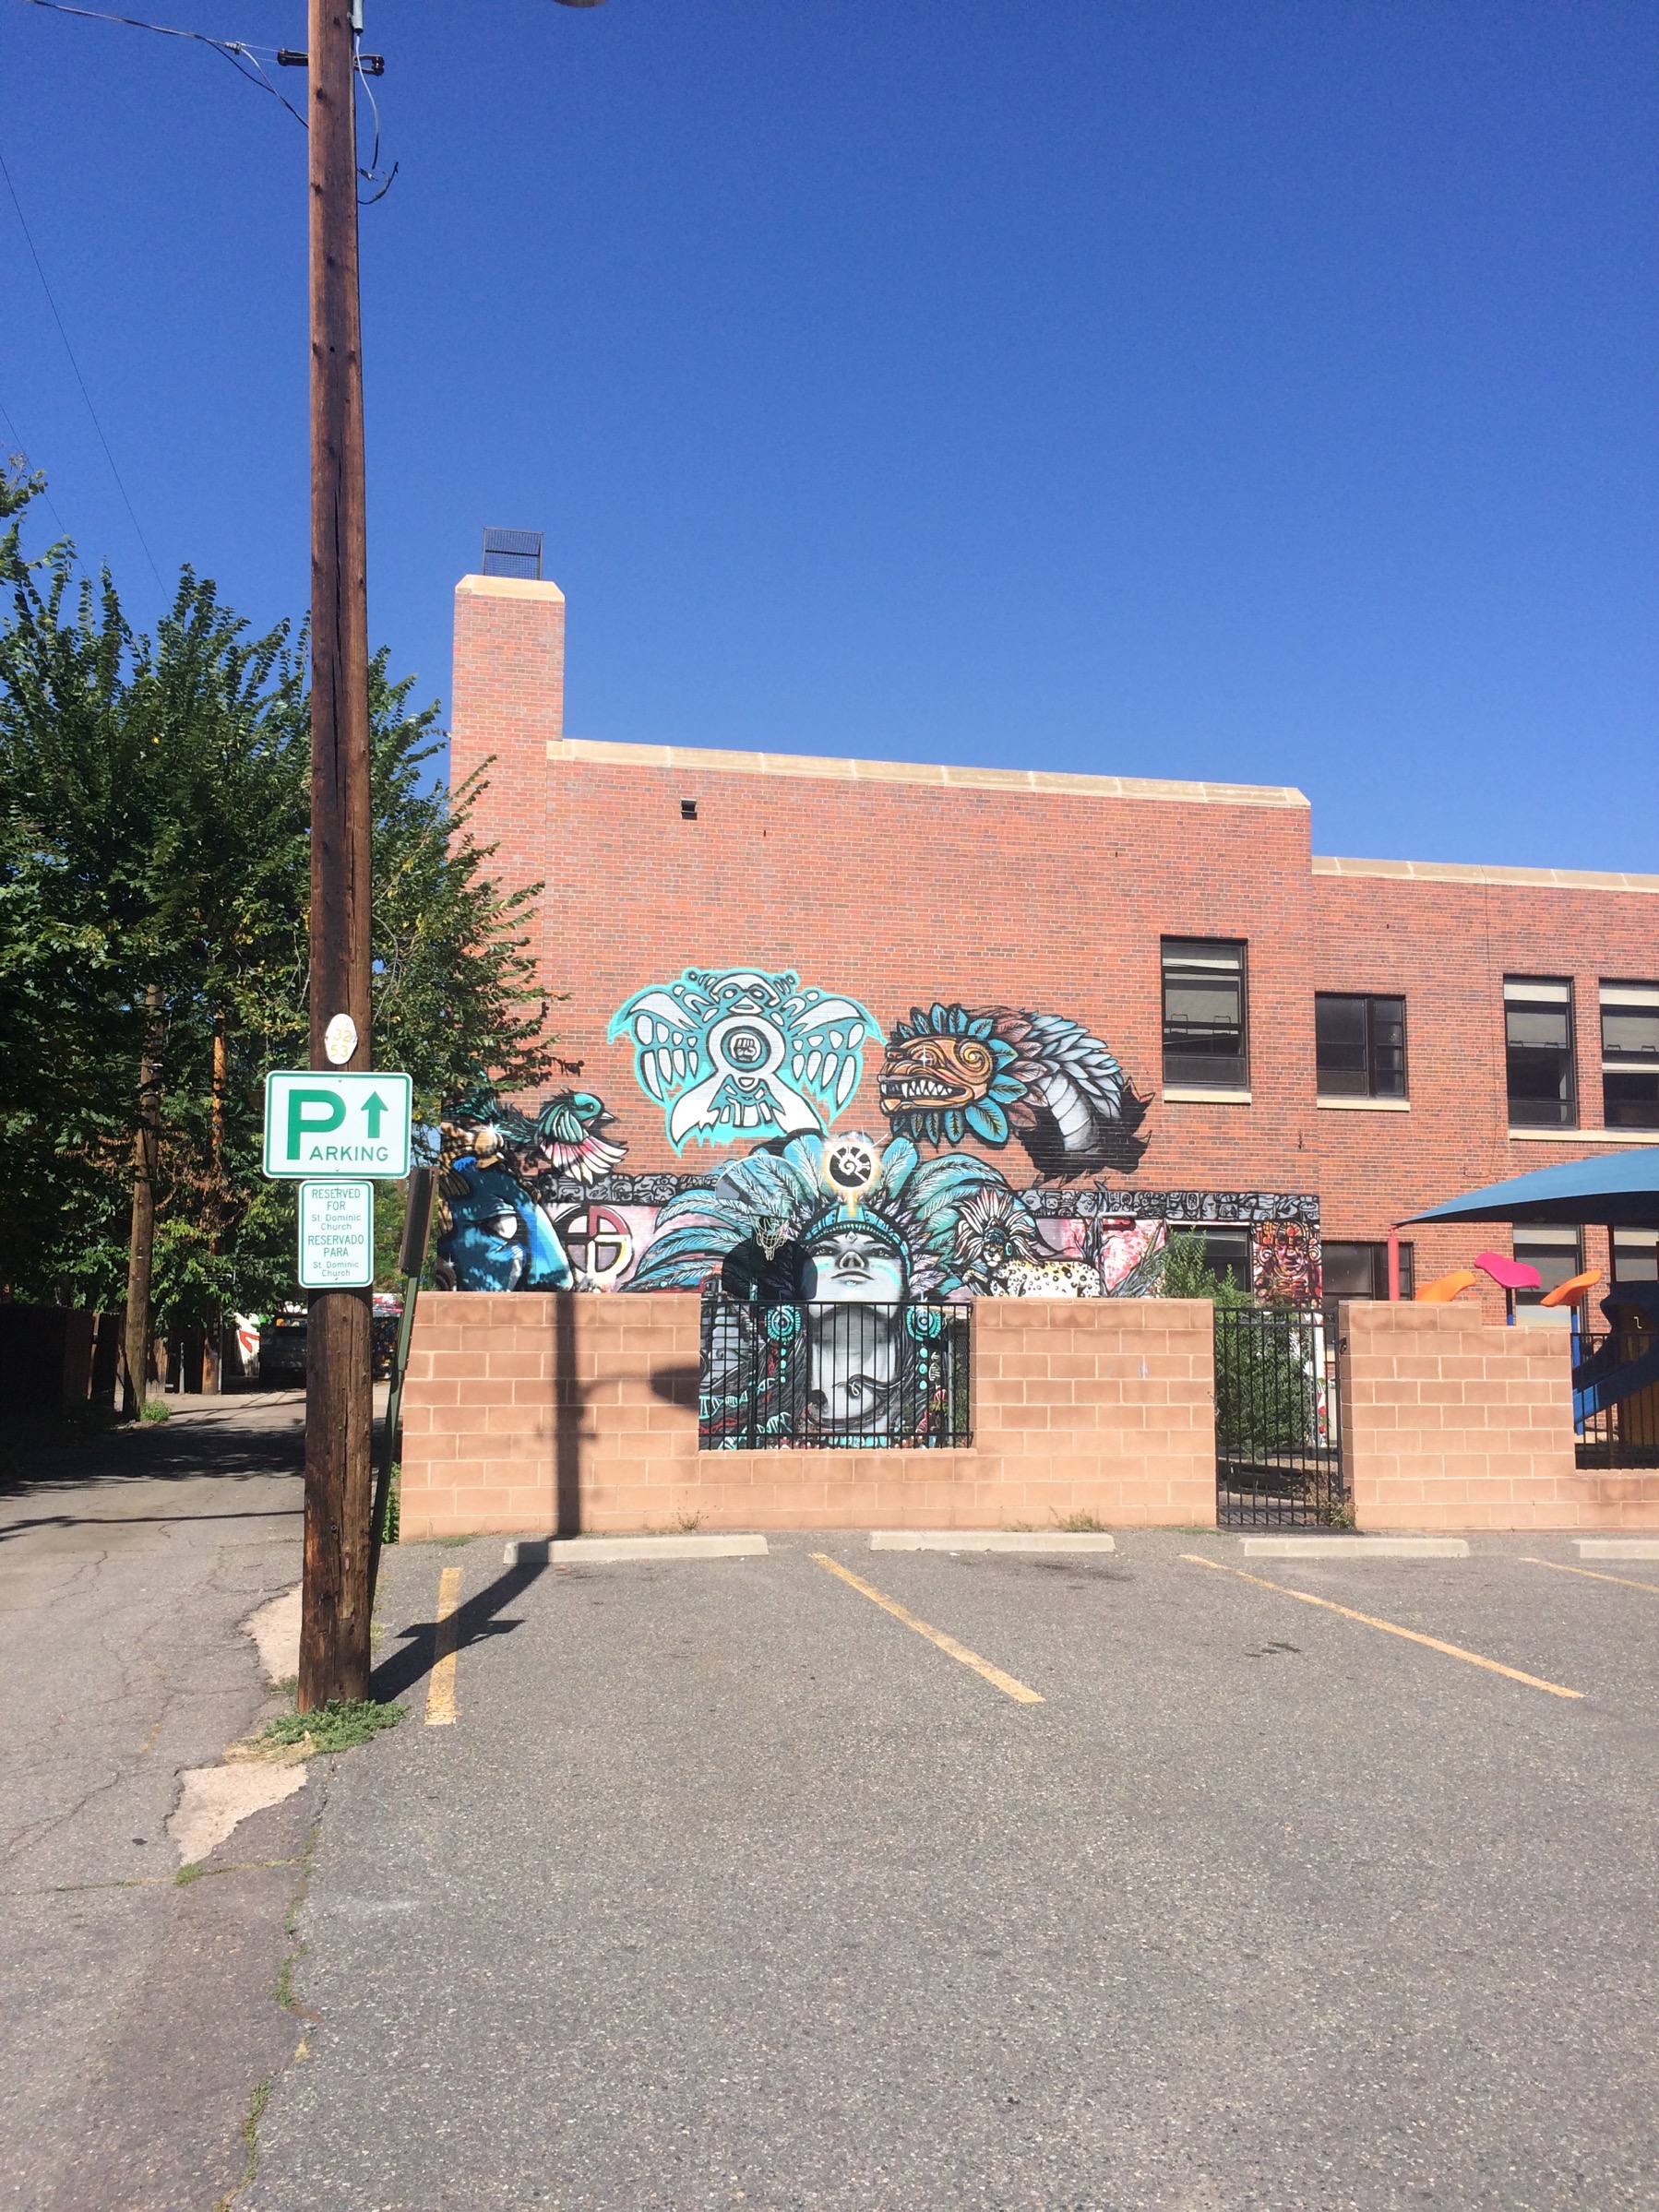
(1278,1418)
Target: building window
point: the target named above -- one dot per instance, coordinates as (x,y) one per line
(1538,1012)
(1558,1254)
(1362,1270)
(1226,1252)
(1630,1055)
(1205,1039)
(1360,1046)
(1635,1256)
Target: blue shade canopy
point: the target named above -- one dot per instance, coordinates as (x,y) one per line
(1618,1192)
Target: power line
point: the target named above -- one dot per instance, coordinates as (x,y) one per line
(244,60)
(69,349)
(236,50)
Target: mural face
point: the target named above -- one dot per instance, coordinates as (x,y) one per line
(740,1056)
(1284,1264)
(992,1071)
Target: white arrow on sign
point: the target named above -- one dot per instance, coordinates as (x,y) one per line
(319,1125)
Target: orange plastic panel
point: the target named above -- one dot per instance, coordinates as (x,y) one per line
(1447,1288)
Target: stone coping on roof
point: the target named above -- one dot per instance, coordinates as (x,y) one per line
(710,760)
(1448,872)
(509,586)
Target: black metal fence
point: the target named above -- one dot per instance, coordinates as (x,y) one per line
(841,1376)
(1624,1433)
(1278,1418)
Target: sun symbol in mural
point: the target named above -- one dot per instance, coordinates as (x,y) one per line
(994,1072)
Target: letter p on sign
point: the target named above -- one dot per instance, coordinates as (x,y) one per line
(312,1113)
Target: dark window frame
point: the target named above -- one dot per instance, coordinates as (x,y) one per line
(1629,1073)
(1532,1108)
(1377,1254)
(1189,1066)
(1328,1080)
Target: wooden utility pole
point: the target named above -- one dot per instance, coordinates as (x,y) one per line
(334,1630)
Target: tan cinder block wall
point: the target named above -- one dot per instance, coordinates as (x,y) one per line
(528,1414)
(1455,1423)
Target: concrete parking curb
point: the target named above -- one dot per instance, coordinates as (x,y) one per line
(1355,1547)
(1617,1547)
(990,1539)
(605,1550)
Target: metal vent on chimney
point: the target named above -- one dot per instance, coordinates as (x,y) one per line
(512,553)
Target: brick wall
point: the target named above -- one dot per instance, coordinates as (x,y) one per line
(1452,1422)
(524,1414)
(901,885)
(1447,947)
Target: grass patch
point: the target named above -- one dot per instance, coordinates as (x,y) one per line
(155,1410)
(389,1519)
(190,1871)
(340,1725)
(1081,1524)
(250,2140)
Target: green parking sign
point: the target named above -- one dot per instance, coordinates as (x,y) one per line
(318,1125)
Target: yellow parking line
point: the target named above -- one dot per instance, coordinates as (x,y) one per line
(1624,1581)
(1005,1683)
(440,1689)
(1388,1627)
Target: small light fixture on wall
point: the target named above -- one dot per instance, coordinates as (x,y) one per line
(688,810)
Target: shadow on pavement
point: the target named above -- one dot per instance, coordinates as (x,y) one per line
(474,1623)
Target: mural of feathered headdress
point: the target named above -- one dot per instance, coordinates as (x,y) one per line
(919,1203)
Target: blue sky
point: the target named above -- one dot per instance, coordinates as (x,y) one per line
(1259,392)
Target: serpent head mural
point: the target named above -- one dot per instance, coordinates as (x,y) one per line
(994,1072)
(738,1056)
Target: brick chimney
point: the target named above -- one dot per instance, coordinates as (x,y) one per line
(507,707)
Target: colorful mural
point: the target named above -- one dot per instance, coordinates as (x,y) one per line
(495,1231)
(1285,1268)
(743,1058)
(859,1212)
(996,1072)
(739,1056)
(949,1228)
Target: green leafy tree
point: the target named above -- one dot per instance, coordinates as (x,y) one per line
(154,894)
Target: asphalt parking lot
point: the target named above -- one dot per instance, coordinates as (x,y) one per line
(730,1886)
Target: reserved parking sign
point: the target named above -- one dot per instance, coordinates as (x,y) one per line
(337,1236)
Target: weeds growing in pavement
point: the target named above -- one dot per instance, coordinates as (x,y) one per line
(340,1725)
(1081,1524)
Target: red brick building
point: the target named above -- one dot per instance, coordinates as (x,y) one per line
(1136,1001)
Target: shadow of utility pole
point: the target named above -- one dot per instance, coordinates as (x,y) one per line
(475,1621)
